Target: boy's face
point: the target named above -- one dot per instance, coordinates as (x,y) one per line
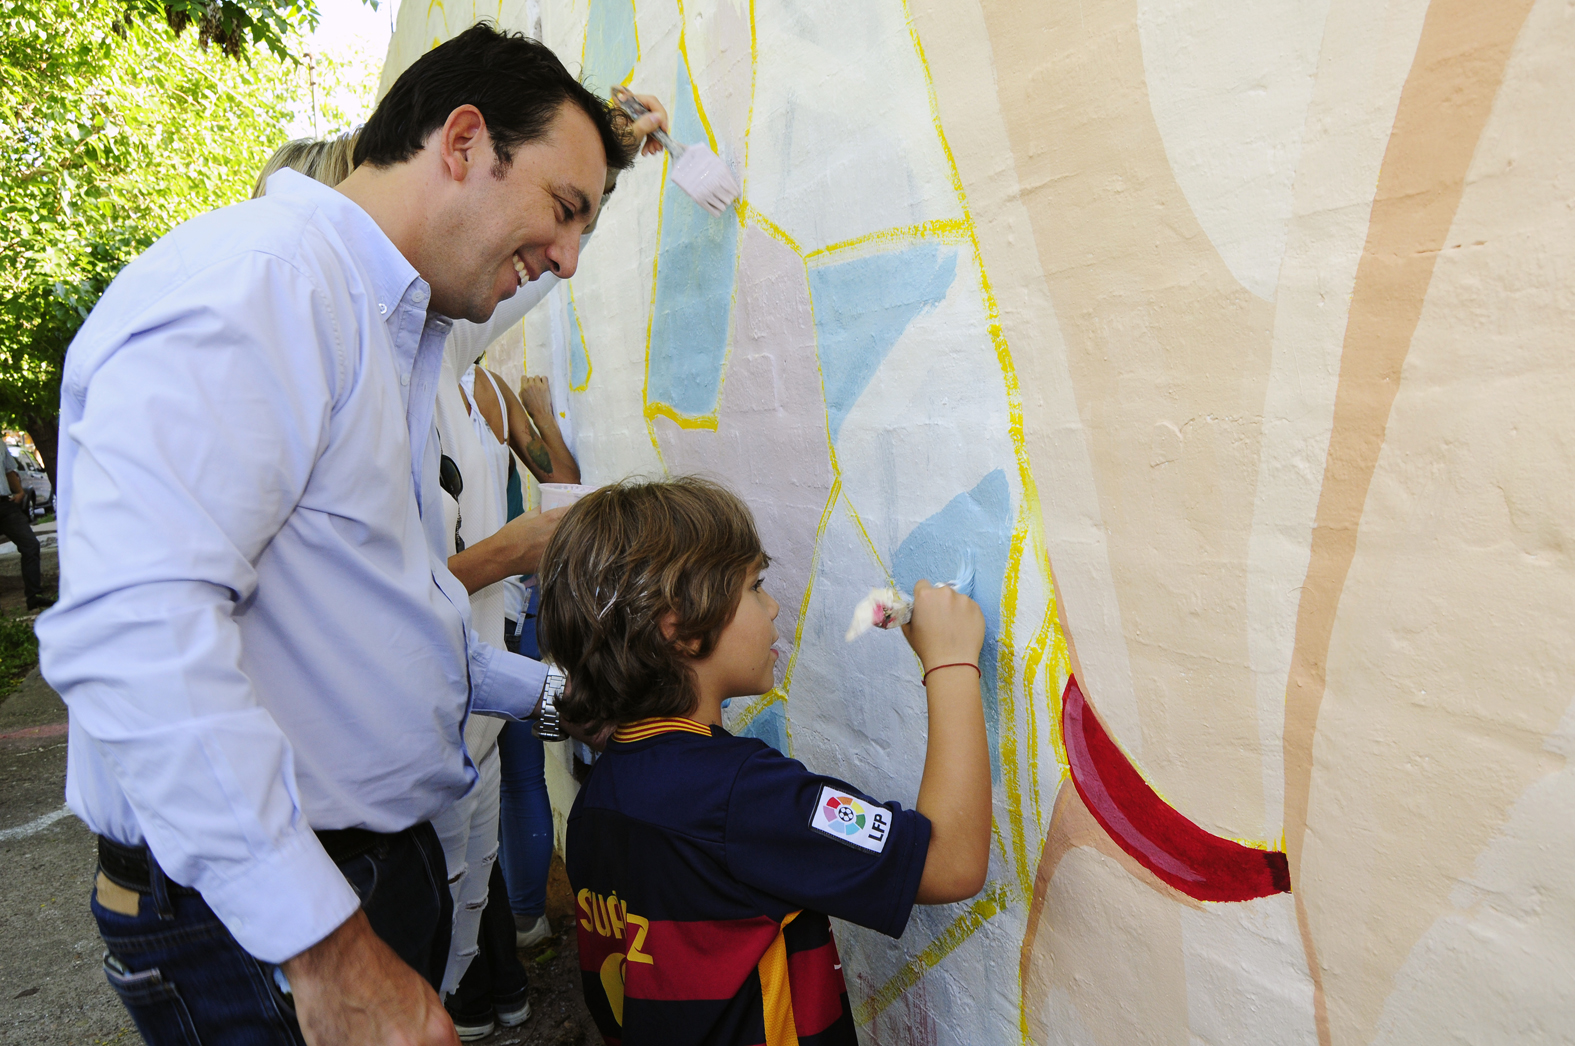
(744,660)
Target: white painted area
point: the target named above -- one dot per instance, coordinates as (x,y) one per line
(844,143)
(932,422)
(36,825)
(1229,82)
(1367,54)
(1496,970)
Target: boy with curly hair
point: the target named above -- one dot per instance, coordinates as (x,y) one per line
(706,865)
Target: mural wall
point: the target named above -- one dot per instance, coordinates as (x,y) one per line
(1227,345)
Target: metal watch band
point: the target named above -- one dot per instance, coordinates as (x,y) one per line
(548,725)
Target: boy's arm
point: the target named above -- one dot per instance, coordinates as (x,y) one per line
(954,793)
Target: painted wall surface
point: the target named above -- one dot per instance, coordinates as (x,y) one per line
(1228,343)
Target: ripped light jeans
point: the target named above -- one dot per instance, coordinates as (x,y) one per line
(469,833)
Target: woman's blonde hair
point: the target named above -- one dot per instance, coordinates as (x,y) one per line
(326,159)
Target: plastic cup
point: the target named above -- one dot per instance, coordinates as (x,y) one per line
(562,495)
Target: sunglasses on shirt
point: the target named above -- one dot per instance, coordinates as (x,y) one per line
(453,483)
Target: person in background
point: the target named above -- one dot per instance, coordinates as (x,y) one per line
(267,662)
(525,815)
(15,525)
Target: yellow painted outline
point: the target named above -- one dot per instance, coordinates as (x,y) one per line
(1029,524)
(996,898)
(780,693)
(650,320)
(754,72)
(749,215)
(585,348)
(694,88)
(655,409)
(659,409)
(946,230)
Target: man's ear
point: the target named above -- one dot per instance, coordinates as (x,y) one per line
(464,146)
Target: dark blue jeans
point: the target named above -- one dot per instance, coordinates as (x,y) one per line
(525,811)
(186,981)
(524,819)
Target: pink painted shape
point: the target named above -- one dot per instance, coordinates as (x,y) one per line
(770,440)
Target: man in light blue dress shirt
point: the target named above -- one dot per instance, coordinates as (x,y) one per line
(268,667)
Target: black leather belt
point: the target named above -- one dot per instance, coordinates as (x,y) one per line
(127,866)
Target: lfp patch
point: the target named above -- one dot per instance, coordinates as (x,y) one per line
(852,821)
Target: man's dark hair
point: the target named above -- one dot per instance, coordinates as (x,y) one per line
(622,560)
(518,84)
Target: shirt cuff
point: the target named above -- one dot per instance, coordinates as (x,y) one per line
(505,685)
(284,904)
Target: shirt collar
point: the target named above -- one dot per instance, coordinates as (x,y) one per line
(392,276)
(644,729)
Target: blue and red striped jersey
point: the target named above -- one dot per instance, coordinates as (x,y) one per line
(705,867)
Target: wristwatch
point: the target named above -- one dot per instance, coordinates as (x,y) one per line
(548,726)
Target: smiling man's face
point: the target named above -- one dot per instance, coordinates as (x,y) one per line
(501,232)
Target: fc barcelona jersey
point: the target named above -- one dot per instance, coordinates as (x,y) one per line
(705,867)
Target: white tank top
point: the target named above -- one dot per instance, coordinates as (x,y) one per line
(466,437)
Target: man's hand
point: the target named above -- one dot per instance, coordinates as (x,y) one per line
(515,549)
(642,128)
(19,497)
(352,990)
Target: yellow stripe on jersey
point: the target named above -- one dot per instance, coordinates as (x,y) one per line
(776,994)
(643,729)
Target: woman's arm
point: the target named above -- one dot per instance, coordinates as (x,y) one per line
(534,432)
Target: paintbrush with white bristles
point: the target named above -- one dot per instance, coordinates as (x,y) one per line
(697,170)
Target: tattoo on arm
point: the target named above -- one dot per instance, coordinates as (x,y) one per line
(536,451)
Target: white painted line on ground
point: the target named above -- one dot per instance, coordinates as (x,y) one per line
(36,825)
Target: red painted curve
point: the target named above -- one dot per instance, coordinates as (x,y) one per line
(1198,863)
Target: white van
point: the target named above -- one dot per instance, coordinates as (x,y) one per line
(35,482)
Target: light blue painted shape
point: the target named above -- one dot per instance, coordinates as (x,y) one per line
(579,362)
(974,528)
(770,726)
(610,46)
(695,267)
(861,309)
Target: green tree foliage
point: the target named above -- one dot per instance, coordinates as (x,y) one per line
(117,127)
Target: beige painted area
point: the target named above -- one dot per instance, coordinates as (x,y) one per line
(1495,967)
(1168,360)
(1450,660)
(1367,53)
(1112,961)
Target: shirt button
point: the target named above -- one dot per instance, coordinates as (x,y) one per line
(382,310)
(404,379)
(420,296)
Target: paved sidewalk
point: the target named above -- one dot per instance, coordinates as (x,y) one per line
(52,988)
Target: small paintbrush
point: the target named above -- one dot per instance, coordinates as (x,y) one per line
(697,170)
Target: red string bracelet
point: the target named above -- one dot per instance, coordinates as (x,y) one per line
(955,664)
